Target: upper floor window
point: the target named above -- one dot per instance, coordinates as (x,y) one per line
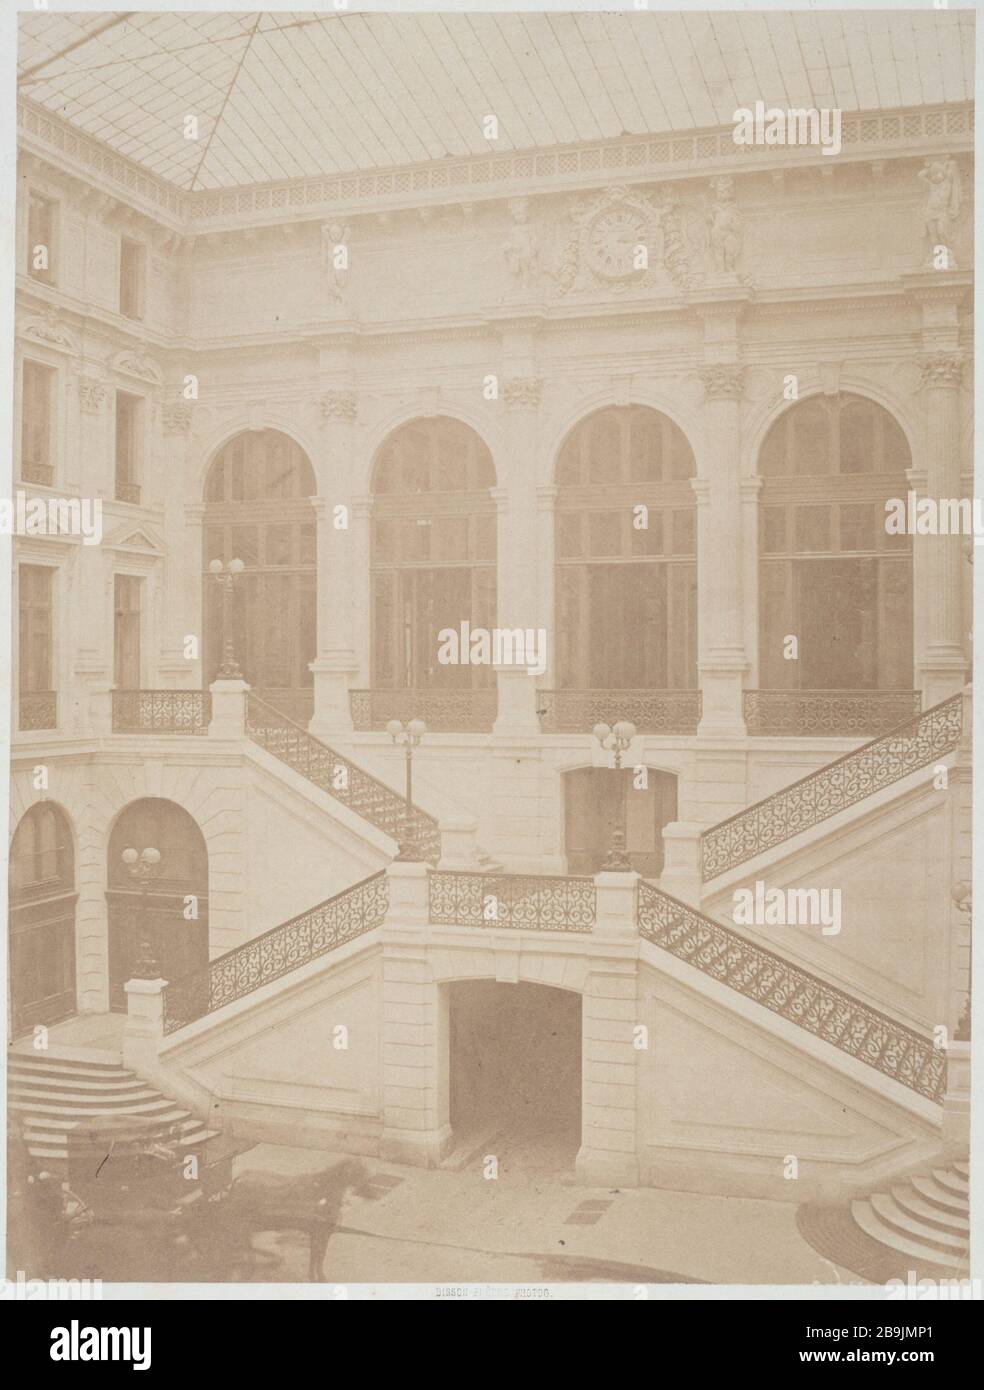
(41,237)
(37,698)
(131,279)
(128,418)
(37,395)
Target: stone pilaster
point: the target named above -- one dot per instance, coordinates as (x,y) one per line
(414,1029)
(723,662)
(181,605)
(609,1060)
(942,662)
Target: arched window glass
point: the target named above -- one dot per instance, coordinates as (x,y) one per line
(42,918)
(831,575)
(433,553)
(626,554)
(258,510)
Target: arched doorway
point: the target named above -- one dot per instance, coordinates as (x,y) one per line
(830,573)
(42,918)
(515,1071)
(626,554)
(433,566)
(176,900)
(258,510)
(594,796)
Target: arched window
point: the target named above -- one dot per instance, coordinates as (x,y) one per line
(831,575)
(433,561)
(595,797)
(175,901)
(42,918)
(258,510)
(626,554)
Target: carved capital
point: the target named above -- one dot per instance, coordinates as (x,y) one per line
(176,416)
(941,369)
(93,393)
(337,404)
(522,390)
(723,381)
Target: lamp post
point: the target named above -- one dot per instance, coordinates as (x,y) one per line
(226,576)
(408,737)
(144,866)
(617,738)
(962,896)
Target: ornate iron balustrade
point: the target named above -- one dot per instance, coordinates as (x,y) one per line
(832,788)
(443,711)
(276,953)
(348,783)
(651,711)
(827,713)
(794,994)
(37,709)
(161,711)
(524,902)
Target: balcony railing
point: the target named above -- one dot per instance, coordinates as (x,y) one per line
(827,713)
(523,902)
(161,711)
(443,711)
(794,994)
(651,711)
(37,709)
(277,952)
(832,788)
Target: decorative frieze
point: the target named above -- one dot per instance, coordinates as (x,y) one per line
(339,404)
(522,390)
(941,369)
(722,381)
(93,394)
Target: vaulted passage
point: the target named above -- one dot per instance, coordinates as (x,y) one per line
(515,1071)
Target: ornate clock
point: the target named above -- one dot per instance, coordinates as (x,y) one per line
(612,239)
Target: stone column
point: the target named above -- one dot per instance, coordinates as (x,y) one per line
(720,579)
(546,607)
(191,547)
(414,1029)
(336,661)
(361,591)
(943,662)
(181,607)
(749,491)
(608,1155)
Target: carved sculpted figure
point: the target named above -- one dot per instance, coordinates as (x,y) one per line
(334,258)
(725,231)
(520,249)
(943,198)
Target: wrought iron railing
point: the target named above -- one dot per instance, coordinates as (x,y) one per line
(276,953)
(794,994)
(161,711)
(832,788)
(348,783)
(527,902)
(827,713)
(443,711)
(37,709)
(651,711)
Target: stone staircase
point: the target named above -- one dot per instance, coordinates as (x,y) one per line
(49,1096)
(926,1218)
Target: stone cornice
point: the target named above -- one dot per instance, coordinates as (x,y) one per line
(906,133)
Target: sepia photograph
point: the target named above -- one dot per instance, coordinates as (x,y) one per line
(492,532)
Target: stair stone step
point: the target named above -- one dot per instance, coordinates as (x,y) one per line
(907,1225)
(938,1196)
(962,1170)
(952,1182)
(910,1201)
(870,1222)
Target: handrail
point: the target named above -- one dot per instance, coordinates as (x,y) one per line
(358,789)
(796,995)
(530,902)
(831,788)
(275,953)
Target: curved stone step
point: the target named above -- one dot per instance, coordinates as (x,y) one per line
(952,1182)
(938,1196)
(908,1198)
(962,1170)
(907,1225)
(870,1222)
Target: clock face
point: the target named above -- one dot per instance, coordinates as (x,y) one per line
(612,240)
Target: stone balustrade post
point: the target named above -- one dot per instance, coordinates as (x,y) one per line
(144,1028)
(681,861)
(459,846)
(228,709)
